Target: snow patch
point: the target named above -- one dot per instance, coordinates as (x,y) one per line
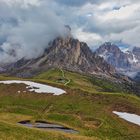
(133,118)
(135,60)
(132,58)
(36,87)
(105,55)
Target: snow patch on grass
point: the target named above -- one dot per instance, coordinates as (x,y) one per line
(36,87)
(133,118)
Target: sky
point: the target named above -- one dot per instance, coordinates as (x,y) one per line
(27,26)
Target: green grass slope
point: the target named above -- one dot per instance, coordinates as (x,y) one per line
(86,107)
(80,81)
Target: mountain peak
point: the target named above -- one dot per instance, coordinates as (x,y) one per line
(109,47)
(113,55)
(136,52)
(67,53)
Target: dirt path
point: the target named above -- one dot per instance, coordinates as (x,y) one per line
(63,75)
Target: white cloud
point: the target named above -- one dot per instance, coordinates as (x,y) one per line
(26,31)
(27,26)
(112,21)
(22,2)
(93,39)
(123,13)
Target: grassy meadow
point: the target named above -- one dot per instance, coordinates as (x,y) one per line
(86,107)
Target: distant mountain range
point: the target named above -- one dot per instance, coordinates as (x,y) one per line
(107,62)
(113,55)
(64,53)
(127,63)
(71,54)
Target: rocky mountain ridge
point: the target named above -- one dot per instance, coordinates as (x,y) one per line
(113,55)
(72,55)
(127,63)
(66,53)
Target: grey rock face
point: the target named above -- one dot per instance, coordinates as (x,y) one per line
(66,53)
(113,55)
(136,52)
